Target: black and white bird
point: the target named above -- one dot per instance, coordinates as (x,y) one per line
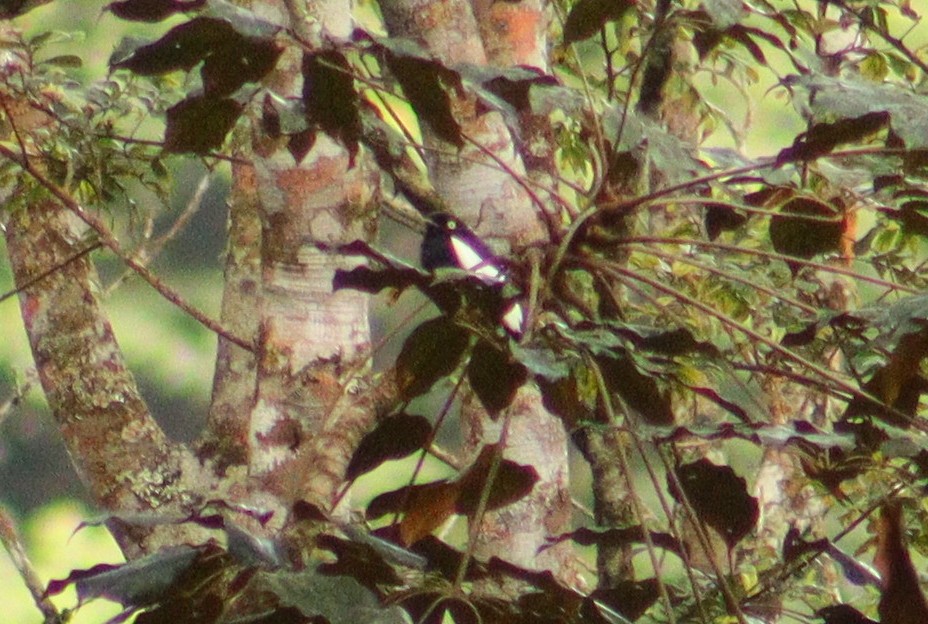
(450,243)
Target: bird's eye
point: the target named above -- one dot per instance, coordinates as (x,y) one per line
(452,224)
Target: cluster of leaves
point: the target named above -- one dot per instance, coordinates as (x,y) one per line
(83,135)
(638,326)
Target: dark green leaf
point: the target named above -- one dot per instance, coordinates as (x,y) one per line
(137,583)
(494,377)
(719,497)
(432,351)
(588,16)
(394,437)
(336,599)
(65,60)
(199,124)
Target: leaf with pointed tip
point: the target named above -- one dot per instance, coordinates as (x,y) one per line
(394,437)
(230,59)
(432,351)
(823,138)
(330,97)
(898,383)
(512,482)
(639,390)
(140,582)
(181,48)
(199,124)
(319,597)
(617,537)
(425,507)
(722,218)
(588,16)
(494,377)
(719,497)
(630,599)
(424,81)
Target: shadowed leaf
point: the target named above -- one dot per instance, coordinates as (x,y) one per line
(822,138)
(494,377)
(719,497)
(151,10)
(902,601)
(588,16)
(641,392)
(200,124)
(793,235)
(628,598)
(513,481)
(330,98)
(394,437)
(843,614)
(432,351)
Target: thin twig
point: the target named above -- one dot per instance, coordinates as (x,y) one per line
(110,241)
(38,278)
(147,253)
(829,376)
(14,546)
(637,506)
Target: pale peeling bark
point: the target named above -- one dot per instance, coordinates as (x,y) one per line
(314,342)
(480,188)
(480,182)
(118,450)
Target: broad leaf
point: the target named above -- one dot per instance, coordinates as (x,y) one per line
(588,16)
(719,497)
(394,437)
(199,124)
(432,351)
(494,377)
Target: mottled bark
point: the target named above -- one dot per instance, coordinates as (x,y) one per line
(117,448)
(225,441)
(314,342)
